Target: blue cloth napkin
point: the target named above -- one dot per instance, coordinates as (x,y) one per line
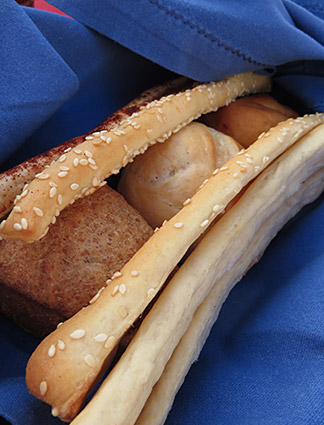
(59,77)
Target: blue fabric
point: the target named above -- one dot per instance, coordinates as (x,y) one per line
(59,77)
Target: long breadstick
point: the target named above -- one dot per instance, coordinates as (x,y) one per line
(81,170)
(14,181)
(187,352)
(248,227)
(63,378)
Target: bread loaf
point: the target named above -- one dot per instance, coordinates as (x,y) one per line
(46,282)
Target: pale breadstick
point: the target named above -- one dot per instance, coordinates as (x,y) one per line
(69,374)
(121,397)
(13,181)
(187,351)
(81,170)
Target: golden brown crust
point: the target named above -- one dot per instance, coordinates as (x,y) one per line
(79,171)
(248,117)
(13,181)
(126,297)
(60,274)
(158,182)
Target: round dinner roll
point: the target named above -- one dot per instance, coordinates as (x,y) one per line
(159,181)
(48,281)
(246,118)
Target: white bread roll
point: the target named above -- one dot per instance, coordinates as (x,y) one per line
(158,182)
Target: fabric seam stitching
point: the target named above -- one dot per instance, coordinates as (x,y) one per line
(207,35)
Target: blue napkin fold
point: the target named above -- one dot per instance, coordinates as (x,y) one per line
(59,77)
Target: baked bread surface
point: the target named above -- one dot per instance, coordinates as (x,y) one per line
(49,280)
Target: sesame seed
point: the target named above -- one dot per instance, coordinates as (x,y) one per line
(3,223)
(186,202)
(101,337)
(116,274)
(67,149)
(74,186)
(97,142)
(76,162)
(122,312)
(55,411)
(17,209)
(43,388)
(95,182)
(90,360)
(77,334)
(178,225)
(89,138)
(93,167)
(53,221)
(226,189)
(64,168)
(59,199)
(51,351)
(108,140)
(17,226)
(92,161)
(83,161)
(204,223)
(52,184)
(42,176)
(77,151)
(24,193)
(265,159)
(115,290)
(108,281)
(215,172)
(216,208)
(235,175)
(52,192)
(62,174)
(257,168)
(249,160)
(24,223)
(62,158)
(122,288)
(110,341)
(60,344)
(151,292)
(239,162)
(134,273)
(96,133)
(88,154)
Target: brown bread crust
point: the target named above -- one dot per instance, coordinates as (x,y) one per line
(50,280)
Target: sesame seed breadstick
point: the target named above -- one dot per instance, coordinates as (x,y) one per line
(81,170)
(234,243)
(187,351)
(67,373)
(13,181)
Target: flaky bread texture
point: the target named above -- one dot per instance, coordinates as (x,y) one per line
(236,241)
(187,351)
(65,378)
(13,182)
(80,171)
